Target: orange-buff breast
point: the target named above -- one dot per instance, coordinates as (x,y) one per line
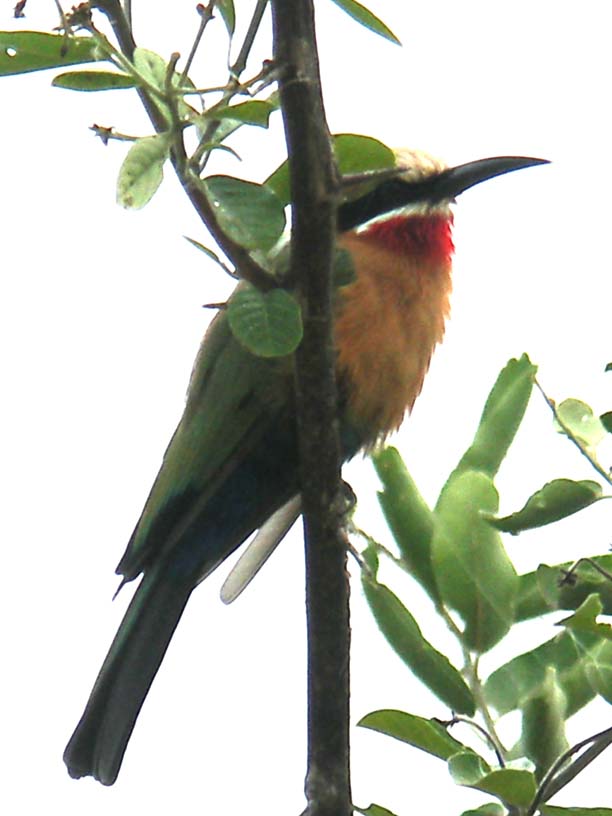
(391,317)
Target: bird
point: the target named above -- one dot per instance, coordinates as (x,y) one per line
(232,463)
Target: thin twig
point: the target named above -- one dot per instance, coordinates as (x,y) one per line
(206,15)
(554,781)
(107,134)
(477,727)
(243,55)
(569,577)
(120,23)
(233,84)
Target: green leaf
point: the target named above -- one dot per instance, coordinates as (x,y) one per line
(520,678)
(361,154)
(225,127)
(408,516)
(142,171)
(428,735)
(556,500)
(371,560)
(226,9)
(210,253)
(541,592)
(405,637)
(373,810)
(23,51)
(354,154)
(488,809)
(551,810)
(249,213)
(256,112)
(151,66)
(93,81)
(474,575)
(599,669)
(344,268)
(606,420)
(585,618)
(501,417)
(366,18)
(512,785)
(543,737)
(154,70)
(579,418)
(268,324)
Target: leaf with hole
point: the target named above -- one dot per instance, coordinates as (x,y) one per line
(24,51)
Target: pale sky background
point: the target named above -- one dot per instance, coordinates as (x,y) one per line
(101,319)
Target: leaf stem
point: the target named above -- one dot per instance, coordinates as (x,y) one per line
(475,684)
(483,731)
(570,435)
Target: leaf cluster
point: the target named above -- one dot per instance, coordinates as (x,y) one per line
(456,552)
(247,219)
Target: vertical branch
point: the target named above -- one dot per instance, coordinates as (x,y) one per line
(314,187)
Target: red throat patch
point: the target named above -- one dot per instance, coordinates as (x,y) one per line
(415,235)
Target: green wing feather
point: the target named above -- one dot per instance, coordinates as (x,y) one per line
(233,397)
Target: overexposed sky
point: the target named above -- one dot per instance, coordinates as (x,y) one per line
(101,319)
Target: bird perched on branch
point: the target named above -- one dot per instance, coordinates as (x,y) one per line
(232,463)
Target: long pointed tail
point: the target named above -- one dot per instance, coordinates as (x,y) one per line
(99,741)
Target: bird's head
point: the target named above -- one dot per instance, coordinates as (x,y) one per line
(424,185)
(410,212)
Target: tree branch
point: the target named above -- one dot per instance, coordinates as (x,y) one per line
(248,268)
(314,187)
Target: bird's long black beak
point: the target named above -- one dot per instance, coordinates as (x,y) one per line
(456,180)
(396,193)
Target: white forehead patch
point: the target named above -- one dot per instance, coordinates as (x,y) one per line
(417,164)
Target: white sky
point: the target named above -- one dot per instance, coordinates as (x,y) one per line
(101,318)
